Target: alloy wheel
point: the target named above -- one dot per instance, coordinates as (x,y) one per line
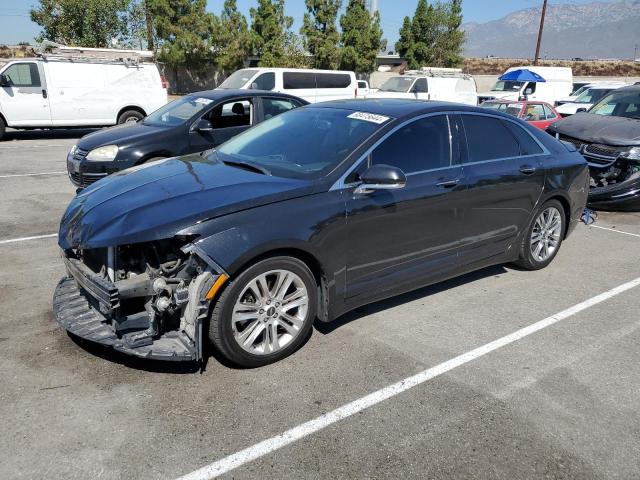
(546,233)
(270,312)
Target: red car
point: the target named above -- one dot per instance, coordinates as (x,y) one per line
(538,114)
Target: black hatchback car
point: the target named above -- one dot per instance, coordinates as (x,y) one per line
(190,124)
(608,136)
(309,214)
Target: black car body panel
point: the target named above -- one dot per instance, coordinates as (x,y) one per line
(140,142)
(608,143)
(361,247)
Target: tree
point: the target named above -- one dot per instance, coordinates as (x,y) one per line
(433,37)
(231,33)
(361,38)
(320,32)
(86,23)
(184,30)
(272,38)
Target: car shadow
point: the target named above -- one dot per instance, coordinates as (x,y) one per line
(54,134)
(325,328)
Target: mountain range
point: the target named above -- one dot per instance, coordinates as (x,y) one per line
(593,30)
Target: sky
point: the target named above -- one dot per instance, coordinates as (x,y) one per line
(15,25)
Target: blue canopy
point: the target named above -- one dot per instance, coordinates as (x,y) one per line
(522,75)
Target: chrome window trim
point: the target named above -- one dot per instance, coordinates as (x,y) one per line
(340,183)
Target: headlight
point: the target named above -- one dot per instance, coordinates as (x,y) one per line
(103,154)
(633,154)
(73,150)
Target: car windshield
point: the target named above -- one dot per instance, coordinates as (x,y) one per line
(579,91)
(508,108)
(591,95)
(508,86)
(305,143)
(238,79)
(178,111)
(619,104)
(397,84)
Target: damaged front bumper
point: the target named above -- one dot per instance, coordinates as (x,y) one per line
(145,315)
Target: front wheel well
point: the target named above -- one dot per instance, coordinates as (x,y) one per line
(310,261)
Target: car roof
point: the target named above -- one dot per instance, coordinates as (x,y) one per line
(397,108)
(223,94)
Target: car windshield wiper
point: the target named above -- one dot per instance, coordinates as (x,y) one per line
(247,166)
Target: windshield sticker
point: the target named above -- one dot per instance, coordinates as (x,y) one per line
(369,117)
(203,101)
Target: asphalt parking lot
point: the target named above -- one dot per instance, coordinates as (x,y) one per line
(560,402)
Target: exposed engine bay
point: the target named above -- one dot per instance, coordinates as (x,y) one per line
(152,297)
(621,171)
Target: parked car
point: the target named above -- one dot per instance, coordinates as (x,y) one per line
(79,88)
(444,84)
(363,89)
(558,84)
(311,85)
(538,114)
(309,214)
(608,136)
(590,96)
(190,124)
(578,88)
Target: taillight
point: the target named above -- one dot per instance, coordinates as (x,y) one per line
(164,82)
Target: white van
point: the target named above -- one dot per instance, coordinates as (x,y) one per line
(558,84)
(444,84)
(77,87)
(311,85)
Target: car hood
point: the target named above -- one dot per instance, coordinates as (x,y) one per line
(158,199)
(591,128)
(125,134)
(571,107)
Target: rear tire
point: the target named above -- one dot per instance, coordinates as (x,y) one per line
(3,128)
(251,328)
(130,116)
(543,238)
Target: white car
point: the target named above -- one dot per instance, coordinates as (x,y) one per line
(450,85)
(558,84)
(310,85)
(588,98)
(75,87)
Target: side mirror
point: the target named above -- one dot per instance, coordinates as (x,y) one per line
(528,91)
(4,81)
(581,110)
(203,126)
(381,177)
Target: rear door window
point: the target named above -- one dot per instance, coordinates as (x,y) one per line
(488,139)
(237,113)
(298,80)
(333,80)
(23,75)
(528,146)
(419,146)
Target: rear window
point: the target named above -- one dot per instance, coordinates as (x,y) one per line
(488,139)
(333,80)
(298,80)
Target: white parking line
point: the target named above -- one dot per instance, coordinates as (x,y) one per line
(615,230)
(31,174)
(24,239)
(296,433)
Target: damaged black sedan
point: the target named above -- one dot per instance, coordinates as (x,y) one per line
(308,215)
(608,136)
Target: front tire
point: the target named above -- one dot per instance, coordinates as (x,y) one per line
(266,313)
(543,238)
(3,128)
(130,116)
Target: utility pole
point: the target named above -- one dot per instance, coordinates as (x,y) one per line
(544,12)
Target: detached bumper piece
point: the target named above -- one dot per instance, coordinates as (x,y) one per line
(76,314)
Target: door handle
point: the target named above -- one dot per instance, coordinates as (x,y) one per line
(448,183)
(527,169)
(44,93)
